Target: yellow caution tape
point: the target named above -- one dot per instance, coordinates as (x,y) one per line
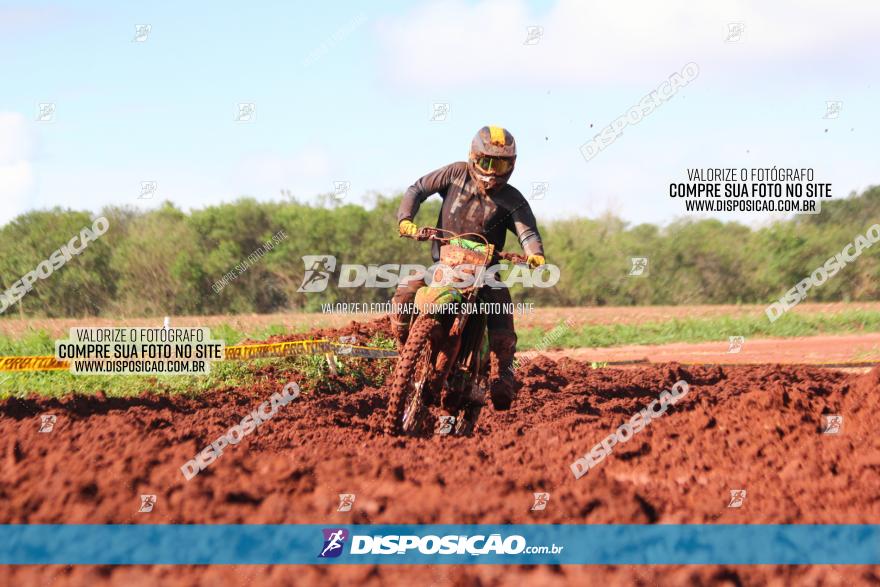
(278,349)
(322,346)
(238,352)
(32,364)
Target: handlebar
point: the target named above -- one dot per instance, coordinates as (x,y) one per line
(512,257)
(428,233)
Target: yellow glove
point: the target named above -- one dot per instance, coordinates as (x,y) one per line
(407,228)
(535,261)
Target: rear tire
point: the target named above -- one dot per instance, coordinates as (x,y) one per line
(407,412)
(466,422)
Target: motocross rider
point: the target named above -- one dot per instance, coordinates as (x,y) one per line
(476,199)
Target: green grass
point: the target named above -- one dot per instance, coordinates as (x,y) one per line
(60,383)
(33,342)
(38,342)
(314,368)
(703,330)
(223,374)
(359,369)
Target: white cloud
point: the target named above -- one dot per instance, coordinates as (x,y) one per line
(16,170)
(457,42)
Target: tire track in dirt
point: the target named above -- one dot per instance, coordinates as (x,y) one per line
(752,427)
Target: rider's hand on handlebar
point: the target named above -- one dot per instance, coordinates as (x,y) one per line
(535,261)
(407,228)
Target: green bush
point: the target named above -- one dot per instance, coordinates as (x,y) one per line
(166,261)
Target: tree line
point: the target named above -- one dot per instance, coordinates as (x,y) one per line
(165,261)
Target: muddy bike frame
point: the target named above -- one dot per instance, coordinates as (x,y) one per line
(443,357)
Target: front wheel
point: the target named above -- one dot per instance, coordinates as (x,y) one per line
(407,412)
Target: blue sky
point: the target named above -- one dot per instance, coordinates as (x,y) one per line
(344,92)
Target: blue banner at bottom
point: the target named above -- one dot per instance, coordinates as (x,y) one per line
(591,544)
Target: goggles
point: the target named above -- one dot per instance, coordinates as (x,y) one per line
(493,165)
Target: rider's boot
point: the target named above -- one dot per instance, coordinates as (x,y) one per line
(502,385)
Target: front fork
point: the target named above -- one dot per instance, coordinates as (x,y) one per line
(463,382)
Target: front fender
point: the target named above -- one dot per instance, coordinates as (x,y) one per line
(437,300)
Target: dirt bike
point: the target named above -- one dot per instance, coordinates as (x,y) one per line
(445,359)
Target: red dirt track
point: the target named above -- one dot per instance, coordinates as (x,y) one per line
(746,427)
